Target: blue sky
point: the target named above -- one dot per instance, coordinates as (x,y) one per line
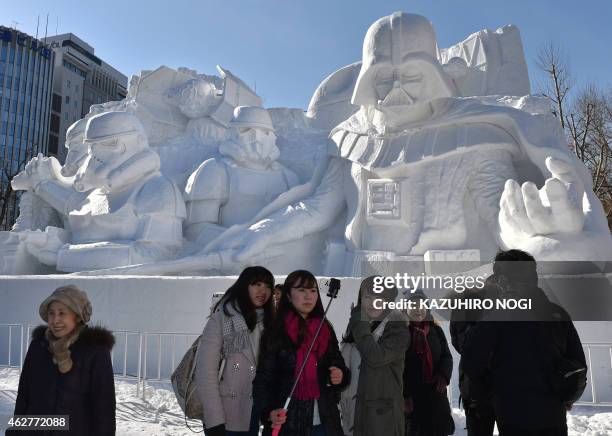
(286,47)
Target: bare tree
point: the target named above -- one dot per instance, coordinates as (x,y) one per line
(552,61)
(586,120)
(590,131)
(7,196)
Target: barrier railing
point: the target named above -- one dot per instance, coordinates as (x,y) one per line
(158,342)
(188,340)
(588,347)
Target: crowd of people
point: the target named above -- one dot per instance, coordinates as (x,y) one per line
(388,374)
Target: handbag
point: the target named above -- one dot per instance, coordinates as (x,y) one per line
(184,386)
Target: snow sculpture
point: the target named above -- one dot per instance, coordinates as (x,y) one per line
(234,188)
(119,209)
(186,115)
(486,63)
(419,170)
(419,166)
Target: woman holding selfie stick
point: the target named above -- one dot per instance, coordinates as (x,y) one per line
(313,410)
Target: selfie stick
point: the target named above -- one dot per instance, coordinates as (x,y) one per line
(332,292)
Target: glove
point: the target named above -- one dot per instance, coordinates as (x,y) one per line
(217,430)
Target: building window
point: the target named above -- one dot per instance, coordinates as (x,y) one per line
(67,99)
(65,116)
(56,104)
(68,84)
(55,123)
(53,142)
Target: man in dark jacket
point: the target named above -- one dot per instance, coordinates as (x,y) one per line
(475,394)
(521,351)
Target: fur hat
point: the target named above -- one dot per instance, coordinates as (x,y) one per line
(75,299)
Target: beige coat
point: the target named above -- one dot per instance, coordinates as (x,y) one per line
(227,399)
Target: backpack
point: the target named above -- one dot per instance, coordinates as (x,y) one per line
(184,386)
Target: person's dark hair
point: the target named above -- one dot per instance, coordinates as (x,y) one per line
(275,336)
(389,293)
(515,265)
(238,296)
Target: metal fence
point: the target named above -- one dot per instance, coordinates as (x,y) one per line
(145,357)
(589,347)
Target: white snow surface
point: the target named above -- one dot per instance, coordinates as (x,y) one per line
(161,415)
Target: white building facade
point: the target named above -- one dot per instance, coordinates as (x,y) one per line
(81,79)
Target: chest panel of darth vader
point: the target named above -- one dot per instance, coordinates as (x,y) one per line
(418,200)
(249,191)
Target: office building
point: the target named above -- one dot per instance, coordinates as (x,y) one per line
(26,77)
(81,79)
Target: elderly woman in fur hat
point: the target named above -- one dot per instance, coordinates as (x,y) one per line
(68,368)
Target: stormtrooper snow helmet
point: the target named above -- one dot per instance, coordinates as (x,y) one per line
(77,150)
(112,138)
(253,142)
(400,66)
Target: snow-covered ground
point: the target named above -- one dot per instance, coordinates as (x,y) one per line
(160,414)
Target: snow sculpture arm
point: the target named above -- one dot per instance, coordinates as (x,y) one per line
(312,214)
(160,210)
(550,222)
(487,184)
(42,176)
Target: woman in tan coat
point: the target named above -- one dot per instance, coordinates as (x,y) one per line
(227,360)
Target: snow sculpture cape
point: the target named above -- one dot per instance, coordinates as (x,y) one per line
(410,154)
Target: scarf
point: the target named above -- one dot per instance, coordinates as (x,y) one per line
(420,346)
(308,385)
(60,348)
(235,331)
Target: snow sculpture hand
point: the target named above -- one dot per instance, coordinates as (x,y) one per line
(39,169)
(44,245)
(249,244)
(549,222)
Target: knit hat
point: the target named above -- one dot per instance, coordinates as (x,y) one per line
(71,296)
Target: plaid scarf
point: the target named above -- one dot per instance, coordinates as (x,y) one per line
(235,331)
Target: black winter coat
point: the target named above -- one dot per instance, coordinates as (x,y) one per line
(431,414)
(441,358)
(473,392)
(275,377)
(86,393)
(520,357)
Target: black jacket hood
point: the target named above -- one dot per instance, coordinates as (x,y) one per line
(91,335)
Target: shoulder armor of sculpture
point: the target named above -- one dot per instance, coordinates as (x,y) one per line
(209,182)
(354,127)
(160,196)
